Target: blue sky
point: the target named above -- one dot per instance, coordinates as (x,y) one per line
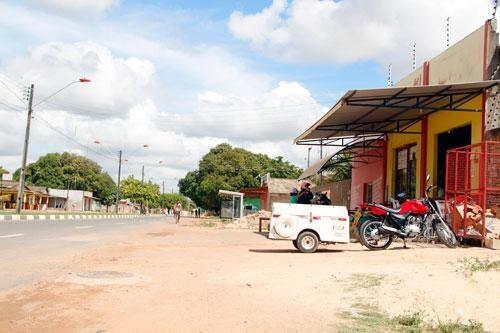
(183,76)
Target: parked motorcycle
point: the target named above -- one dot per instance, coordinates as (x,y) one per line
(413,219)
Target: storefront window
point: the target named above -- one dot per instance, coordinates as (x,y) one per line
(406,170)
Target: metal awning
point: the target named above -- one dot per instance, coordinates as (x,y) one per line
(389,110)
(357,150)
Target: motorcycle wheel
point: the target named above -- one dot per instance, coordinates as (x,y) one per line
(370,237)
(445,234)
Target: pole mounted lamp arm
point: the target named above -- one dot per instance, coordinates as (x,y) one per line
(81,80)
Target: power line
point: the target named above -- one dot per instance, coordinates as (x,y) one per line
(12,107)
(72,139)
(12,91)
(107,112)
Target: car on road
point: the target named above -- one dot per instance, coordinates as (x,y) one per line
(307,226)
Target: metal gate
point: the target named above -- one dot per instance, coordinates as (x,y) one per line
(472,189)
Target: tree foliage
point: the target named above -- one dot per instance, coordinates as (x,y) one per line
(339,168)
(2,170)
(228,168)
(147,193)
(71,171)
(170,199)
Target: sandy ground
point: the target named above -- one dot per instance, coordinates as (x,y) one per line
(178,278)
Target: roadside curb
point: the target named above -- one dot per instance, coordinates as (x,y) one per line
(61,217)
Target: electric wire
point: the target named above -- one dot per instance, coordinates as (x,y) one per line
(12,107)
(48,125)
(12,91)
(111,156)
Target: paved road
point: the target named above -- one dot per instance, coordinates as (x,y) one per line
(29,249)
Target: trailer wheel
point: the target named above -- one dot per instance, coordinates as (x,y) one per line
(307,242)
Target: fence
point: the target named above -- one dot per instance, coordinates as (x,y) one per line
(472,188)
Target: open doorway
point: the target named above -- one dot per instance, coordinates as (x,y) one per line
(453,138)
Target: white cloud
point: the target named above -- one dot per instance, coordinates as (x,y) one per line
(277,114)
(80,7)
(350,31)
(179,98)
(117,83)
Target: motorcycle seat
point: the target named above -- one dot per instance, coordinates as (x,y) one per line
(390,210)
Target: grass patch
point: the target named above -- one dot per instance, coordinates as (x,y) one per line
(410,320)
(366,318)
(365,281)
(475,264)
(455,327)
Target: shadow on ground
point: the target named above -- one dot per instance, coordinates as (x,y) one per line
(289,250)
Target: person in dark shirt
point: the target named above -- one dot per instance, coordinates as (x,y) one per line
(305,194)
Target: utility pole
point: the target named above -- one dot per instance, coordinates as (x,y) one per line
(142,183)
(22,174)
(163,187)
(119,175)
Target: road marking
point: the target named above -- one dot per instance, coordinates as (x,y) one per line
(11,235)
(84,227)
(119,223)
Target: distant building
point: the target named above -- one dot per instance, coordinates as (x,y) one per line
(271,190)
(35,197)
(73,200)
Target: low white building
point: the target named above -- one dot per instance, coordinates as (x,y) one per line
(73,200)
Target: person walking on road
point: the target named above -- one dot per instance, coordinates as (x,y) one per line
(177,212)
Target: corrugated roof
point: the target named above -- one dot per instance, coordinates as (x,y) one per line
(389,110)
(358,148)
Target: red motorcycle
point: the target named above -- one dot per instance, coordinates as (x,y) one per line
(413,219)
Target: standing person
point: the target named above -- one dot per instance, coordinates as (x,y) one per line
(177,211)
(305,194)
(294,195)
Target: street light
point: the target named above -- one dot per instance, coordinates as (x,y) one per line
(120,153)
(80,80)
(20,191)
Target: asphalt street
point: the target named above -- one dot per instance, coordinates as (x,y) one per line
(29,249)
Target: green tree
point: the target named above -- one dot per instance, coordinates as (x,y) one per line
(138,192)
(338,169)
(170,199)
(2,170)
(228,168)
(71,171)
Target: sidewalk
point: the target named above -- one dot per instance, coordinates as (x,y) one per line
(66,216)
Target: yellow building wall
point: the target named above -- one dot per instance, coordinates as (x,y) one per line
(438,123)
(443,121)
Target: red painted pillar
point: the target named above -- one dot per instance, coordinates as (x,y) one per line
(423,136)
(487,28)
(423,154)
(384,175)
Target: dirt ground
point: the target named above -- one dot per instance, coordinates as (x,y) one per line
(184,278)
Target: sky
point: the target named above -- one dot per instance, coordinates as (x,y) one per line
(184,76)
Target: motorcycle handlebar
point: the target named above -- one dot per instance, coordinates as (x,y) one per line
(428,189)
